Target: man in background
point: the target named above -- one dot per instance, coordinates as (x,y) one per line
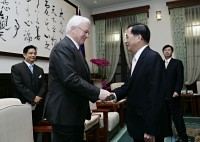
(29,83)
(69,85)
(174,78)
(143,88)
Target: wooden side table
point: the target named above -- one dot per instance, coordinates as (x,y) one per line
(192,101)
(198,105)
(45,128)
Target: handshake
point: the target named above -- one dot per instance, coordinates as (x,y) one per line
(106,95)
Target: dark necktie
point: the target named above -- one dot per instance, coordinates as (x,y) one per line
(87,67)
(80,52)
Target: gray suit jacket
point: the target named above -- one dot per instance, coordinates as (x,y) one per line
(69,86)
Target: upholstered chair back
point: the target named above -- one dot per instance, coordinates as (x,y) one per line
(116,85)
(15,121)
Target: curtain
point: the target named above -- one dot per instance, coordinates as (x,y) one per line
(125,22)
(177,17)
(141,18)
(100,38)
(112,45)
(185,24)
(192,34)
(108,39)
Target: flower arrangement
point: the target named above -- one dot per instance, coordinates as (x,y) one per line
(98,68)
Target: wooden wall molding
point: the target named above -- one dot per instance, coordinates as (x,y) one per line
(20,55)
(6,87)
(120,13)
(182,3)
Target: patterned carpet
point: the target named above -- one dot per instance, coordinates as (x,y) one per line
(192,126)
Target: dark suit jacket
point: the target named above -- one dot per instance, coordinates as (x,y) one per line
(69,86)
(174,77)
(144,97)
(27,85)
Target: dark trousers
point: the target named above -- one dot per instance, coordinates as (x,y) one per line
(138,140)
(36,117)
(35,122)
(63,133)
(175,110)
(157,139)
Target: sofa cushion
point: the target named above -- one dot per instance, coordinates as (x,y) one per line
(113,119)
(94,120)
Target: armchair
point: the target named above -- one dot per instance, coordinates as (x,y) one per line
(198,86)
(15,121)
(109,122)
(115,106)
(92,129)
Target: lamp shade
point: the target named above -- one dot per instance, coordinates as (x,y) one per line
(158,15)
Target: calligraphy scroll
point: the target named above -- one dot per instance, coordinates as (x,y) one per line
(38,22)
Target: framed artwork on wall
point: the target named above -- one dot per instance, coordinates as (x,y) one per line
(41,23)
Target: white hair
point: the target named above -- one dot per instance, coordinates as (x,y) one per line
(76,21)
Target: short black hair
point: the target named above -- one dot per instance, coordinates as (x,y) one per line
(25,50)
(166,46)
(141,29)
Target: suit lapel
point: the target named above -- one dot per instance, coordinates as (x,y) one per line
(77,53)
(170,64)
(26,68)
(84,63)
(139,62)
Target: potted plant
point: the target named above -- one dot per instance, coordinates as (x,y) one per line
(98,70)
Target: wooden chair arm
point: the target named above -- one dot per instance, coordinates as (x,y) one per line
(44,123)
(111,104)
(101,110)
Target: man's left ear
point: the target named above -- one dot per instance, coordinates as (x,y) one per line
(140,37)
(24,55)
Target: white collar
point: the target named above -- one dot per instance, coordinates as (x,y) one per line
(168,60)
(139,52)
(28,64)
(76,44)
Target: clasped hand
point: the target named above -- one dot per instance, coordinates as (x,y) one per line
(106,95)
(37,100)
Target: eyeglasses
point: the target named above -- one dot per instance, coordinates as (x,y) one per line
(85,31)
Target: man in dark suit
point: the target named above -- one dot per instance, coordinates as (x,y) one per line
(69,85)
(142,89)
(29,86)
(174,78)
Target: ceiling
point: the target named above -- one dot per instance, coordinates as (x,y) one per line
(98,4)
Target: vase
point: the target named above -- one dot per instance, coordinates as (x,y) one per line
(97,82)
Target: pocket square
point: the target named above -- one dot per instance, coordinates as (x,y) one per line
(40,76)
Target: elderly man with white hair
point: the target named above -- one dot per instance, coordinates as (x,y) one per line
(69,87)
